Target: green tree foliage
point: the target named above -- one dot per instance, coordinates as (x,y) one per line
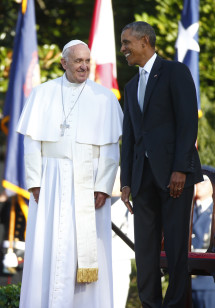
(9,296)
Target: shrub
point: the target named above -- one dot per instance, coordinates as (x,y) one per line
(9,296)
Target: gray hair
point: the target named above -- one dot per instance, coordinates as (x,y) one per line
(65,53)
(140,29)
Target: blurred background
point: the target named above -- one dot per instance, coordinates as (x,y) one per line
(56,22)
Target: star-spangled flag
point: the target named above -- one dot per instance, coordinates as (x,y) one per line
(187,47)
(102,46)
(24,75)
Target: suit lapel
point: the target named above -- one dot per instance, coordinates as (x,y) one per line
(133,97)
(153,78)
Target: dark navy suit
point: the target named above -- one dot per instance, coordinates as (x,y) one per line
(166,133)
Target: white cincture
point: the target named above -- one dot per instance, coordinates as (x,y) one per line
(142,88)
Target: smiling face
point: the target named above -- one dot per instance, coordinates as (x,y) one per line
(77,63)
(132,48)
(136,49)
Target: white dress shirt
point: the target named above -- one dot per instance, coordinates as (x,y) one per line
(147,68)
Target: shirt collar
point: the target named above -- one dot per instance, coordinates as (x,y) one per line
(69,84)
(204,203)
(148,66)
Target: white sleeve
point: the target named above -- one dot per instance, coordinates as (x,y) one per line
(33,162)
(107,168)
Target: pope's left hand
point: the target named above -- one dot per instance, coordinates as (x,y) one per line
(100,199)
(176,184)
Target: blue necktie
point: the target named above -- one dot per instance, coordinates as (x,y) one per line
(142,88)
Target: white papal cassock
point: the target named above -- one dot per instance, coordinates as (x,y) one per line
(55,163)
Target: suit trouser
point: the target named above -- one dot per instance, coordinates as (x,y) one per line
(154,209)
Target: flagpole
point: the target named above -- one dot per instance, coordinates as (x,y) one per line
(10,260)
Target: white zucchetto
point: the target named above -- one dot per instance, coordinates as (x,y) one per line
(73,43)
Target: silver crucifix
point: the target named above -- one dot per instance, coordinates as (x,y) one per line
(63,127)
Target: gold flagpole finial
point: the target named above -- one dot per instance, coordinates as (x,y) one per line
(24,6)
(200,113)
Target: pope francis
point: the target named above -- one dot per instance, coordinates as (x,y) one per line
(72,127)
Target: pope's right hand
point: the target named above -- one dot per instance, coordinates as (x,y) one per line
(125,198)
(36,193)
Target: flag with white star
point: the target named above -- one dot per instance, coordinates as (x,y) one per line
(187,47)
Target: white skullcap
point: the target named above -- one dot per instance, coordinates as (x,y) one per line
(73,43)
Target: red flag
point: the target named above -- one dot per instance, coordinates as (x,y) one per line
(102,46)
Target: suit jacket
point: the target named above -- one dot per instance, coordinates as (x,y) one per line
(166,129)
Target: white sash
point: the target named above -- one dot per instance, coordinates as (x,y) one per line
(85,213)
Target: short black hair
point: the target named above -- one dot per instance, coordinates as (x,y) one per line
(140,29)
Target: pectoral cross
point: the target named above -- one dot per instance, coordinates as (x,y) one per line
(63,127)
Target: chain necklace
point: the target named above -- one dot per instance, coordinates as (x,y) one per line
(65,125)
